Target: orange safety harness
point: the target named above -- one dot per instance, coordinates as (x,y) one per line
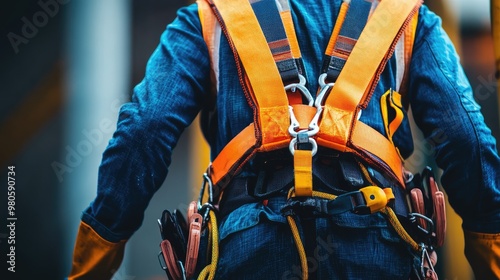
(331,120)
(338,126)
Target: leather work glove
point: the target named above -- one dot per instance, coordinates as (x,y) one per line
(483,253)
(95,257)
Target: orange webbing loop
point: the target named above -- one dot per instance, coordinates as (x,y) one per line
(304,114)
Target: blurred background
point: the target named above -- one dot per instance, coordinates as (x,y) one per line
(66,66)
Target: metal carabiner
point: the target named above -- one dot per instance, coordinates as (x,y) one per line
(206,180)
(301,86)
(430,224)
(291,147)
(294,123)
(205,211)
(318,103)
(324,87)
(425,259)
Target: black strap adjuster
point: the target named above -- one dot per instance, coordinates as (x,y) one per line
(367,200)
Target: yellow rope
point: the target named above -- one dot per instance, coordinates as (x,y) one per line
(213,238)
(298,241)
(389,212)
(324,195)
(296,235)
(204,273)
(399,228)
(215,245)
(300,247)
(366,174)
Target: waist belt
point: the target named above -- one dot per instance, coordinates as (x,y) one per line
(334,174)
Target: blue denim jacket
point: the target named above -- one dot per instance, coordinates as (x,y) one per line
(176,86)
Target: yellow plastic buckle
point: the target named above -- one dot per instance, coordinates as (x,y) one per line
(376,198)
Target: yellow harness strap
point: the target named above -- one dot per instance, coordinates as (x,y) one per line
(392,114)
(302,164)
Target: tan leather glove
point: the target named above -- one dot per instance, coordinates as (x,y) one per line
(483,253)
(95,257)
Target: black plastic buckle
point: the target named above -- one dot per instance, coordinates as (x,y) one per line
(306,207)
(359,204)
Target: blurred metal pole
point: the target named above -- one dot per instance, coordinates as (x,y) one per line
(495,29)
(98,57)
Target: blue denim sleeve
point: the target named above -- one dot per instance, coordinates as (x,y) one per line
(137,158)
(443,105)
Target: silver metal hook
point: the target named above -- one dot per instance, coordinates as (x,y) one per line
(301,86)
(314,150)
(206,180)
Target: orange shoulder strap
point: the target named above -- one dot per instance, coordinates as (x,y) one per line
(340,127)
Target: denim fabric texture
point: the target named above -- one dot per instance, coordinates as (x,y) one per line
(176,87)
(256,243)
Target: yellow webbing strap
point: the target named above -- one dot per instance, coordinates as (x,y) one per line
(391,100)
(302,169)
(209,271)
